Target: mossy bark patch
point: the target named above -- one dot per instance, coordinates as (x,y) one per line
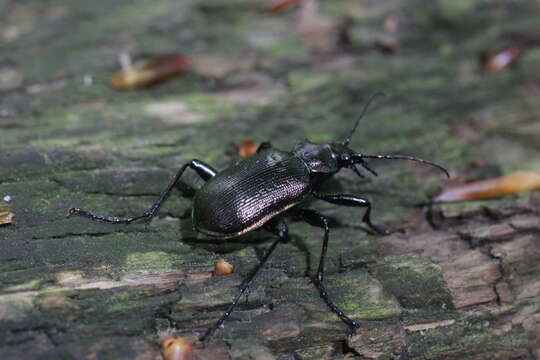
(73,288)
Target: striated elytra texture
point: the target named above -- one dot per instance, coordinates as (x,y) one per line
(248,194)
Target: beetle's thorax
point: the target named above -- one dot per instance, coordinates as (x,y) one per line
(324,158)
(319,158)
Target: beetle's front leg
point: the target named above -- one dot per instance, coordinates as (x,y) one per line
(313,218)
(351,200)
(206,172)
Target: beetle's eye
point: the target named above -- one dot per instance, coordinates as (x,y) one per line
(345,160)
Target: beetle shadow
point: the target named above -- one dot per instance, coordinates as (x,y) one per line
(254,238)
(189,236)
(300,244)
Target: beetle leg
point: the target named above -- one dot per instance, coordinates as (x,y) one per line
(282,232)
(351,200)
(314,218)
(264,146)
(206,172)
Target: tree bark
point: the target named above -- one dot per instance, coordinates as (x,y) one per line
(467,287)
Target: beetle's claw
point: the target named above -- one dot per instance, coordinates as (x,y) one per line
(352,328)
(72,211)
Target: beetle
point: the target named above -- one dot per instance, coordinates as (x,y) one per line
(257,193)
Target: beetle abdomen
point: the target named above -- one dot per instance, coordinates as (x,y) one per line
(248,194)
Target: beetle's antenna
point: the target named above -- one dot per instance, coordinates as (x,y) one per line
(348,138)
(358,157)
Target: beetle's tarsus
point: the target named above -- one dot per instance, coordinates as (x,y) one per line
(71,211)
(352,329)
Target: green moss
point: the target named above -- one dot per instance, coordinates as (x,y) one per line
(308,79)
(416,282)
(122,301)
(452,341)
(454,9)
(212,106)
(13,265)
(286,45)
(152,260)
(33,284)
(17,306)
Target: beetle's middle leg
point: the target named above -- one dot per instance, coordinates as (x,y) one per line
(351,200)
(314,218)
(205,171)
(281,230)
(264,146)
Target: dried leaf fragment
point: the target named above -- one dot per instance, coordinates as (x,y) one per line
(176,349)
(485,189)
(278,5)
(247,148)
(6,216)
(223,267)
(502,58)
(150,72)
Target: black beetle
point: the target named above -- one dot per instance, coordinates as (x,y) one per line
(253,192)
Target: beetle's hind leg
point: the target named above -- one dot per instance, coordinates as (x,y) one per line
(314,218)
(206,172)
(281,230)
(351,200)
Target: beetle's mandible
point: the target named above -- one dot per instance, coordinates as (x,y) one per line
(258,191)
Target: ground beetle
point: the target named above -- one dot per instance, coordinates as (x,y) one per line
(254,192)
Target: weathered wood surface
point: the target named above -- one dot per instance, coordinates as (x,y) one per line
(74,289)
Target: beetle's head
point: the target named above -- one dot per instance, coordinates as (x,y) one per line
(345,157)
(348,158)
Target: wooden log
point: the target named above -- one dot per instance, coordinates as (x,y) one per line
(72,288)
